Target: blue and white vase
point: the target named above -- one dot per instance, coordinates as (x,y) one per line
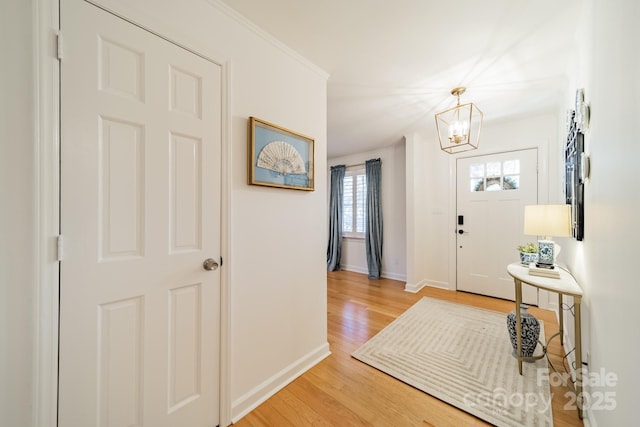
(546,252)
(527,258)
(530,331)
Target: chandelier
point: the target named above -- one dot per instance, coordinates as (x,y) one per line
(459,127)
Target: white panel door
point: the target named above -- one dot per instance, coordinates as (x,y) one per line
(140,212)
(492,191)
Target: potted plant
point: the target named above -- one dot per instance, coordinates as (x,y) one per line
(528,253)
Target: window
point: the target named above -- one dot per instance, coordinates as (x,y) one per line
(353,205)
(495,176)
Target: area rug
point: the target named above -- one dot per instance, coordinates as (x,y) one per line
(462,356)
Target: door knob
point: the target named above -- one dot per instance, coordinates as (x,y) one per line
(460,231)
(210,264)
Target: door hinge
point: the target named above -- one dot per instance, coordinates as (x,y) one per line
(59,47)
(60,247)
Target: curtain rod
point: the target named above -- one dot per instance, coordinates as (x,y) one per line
(356,164)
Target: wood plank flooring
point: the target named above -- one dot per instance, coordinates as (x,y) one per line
(341,391)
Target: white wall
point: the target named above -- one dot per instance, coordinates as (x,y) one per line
(392,190)
(275,262)
(427,214)
(604,263)
(431,192)
(17,215)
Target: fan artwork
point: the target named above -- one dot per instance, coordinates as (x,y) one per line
(279,157)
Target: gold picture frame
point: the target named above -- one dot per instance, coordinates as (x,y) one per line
(279,157)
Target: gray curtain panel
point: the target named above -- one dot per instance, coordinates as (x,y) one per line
(373,234)
(334,248)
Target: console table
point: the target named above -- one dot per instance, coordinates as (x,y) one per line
(565,285)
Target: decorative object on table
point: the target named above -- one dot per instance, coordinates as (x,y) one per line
(279,157)
(460,355)
(530,331)
(582,111)
(576,164)
(554,273)
(528,253)
(546,252)
(547,221)
(459,127)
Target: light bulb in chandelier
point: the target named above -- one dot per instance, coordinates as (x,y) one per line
(458,131)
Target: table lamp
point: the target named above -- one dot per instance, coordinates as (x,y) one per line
(547,221)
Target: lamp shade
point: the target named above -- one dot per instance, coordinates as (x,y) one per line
(547,220)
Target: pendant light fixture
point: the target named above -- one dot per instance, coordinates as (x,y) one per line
(459,127)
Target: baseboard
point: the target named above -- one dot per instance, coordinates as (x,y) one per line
(354,268)
(421,284)
(409,287)
(249,401)
(385,274)
(394,276)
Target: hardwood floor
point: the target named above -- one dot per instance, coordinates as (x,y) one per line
(341,391)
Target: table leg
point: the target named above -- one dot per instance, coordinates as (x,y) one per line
(578,340)
(561,319)
(518,324)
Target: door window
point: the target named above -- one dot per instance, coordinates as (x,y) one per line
(494,176)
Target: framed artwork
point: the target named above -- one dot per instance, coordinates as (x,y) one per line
(575,175)
(279,157)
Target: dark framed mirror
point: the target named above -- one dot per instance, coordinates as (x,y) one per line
(574,176)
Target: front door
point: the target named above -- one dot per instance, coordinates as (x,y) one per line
(140,212)
(492,191)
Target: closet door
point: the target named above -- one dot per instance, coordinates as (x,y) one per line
(140,214)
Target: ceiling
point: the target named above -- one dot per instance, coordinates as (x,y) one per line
(393,63)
